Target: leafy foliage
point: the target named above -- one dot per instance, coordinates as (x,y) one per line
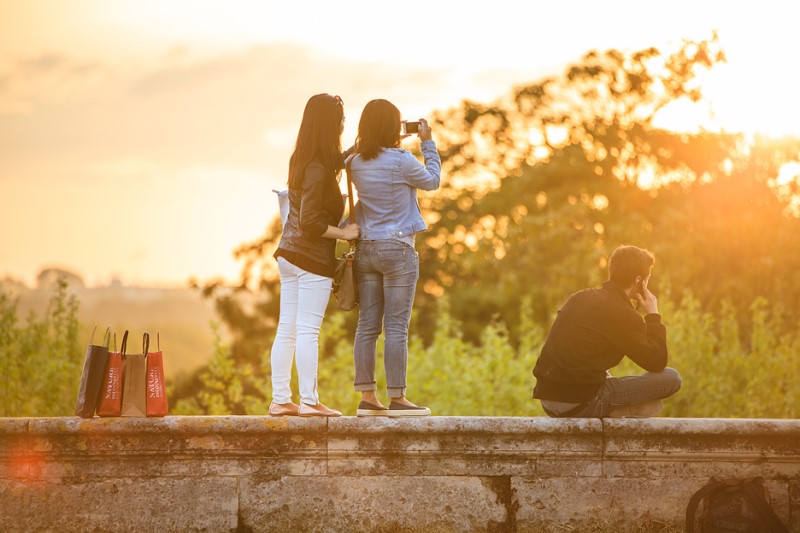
(493,377)
(40,361)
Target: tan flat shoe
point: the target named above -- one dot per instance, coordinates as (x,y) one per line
(283,409)
(317,410)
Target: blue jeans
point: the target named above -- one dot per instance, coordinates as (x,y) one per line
(629,390)
(387,273)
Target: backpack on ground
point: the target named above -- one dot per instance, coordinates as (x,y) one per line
(733,506)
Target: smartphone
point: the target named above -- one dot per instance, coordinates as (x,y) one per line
(640,287)
(407,127)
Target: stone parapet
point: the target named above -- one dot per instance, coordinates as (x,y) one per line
(376,474)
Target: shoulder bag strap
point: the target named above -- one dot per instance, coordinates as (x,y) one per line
(691,509)
(350,204)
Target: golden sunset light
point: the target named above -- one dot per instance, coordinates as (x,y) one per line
(355,265)
(142,140)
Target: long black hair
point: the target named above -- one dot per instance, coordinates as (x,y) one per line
(319,138)
(378,128)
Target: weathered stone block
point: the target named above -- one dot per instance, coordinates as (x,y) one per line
(376,503)
(559,503)
(76,449)
(123,505)
(474,446)
(14,448)
(703,439)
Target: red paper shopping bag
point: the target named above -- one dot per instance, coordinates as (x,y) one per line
(156,389)
(110,403)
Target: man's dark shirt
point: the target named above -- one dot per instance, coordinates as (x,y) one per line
(592,332)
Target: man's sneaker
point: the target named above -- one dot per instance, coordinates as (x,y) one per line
(370,409)
(638,410)
(397,409)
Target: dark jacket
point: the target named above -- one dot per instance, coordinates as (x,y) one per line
(314,206)
(593,331)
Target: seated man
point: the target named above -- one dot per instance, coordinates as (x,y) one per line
(592,332)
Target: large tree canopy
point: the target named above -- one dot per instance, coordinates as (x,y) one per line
(548,181)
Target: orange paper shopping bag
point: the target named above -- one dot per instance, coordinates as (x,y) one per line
(156,389)
(110,403)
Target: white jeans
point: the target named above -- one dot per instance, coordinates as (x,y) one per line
(304,297)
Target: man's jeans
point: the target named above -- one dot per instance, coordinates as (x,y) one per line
(387,273)
(628,390)
(304,297)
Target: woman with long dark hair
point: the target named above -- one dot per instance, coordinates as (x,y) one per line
(387,266)
(306,254)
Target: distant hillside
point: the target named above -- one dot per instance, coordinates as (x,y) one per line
(180,315)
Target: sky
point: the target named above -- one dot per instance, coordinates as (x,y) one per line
(141,140)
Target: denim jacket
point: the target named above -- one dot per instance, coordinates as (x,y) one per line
(387,191)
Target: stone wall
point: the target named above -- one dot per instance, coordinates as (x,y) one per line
(349,474)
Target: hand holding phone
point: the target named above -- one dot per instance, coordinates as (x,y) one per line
(420,127)
(408,128)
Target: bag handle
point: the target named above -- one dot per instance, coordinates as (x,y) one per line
(351,207)
(145,343)
(124,347)
(106,337)
(158,340)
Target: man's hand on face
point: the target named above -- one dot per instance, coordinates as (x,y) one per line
(647,300)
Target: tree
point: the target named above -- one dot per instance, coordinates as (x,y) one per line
(549,181)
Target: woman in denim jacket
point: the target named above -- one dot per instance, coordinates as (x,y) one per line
(386,264)
(306,255)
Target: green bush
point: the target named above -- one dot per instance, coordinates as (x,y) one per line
(725,373)
(40,361)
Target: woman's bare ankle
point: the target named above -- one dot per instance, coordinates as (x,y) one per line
(370,397)
(403,400)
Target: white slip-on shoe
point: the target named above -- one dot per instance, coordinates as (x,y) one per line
(370,409)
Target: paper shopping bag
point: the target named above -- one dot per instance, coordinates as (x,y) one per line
(92,376)
(134,377)
(156,388)
(110,403)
